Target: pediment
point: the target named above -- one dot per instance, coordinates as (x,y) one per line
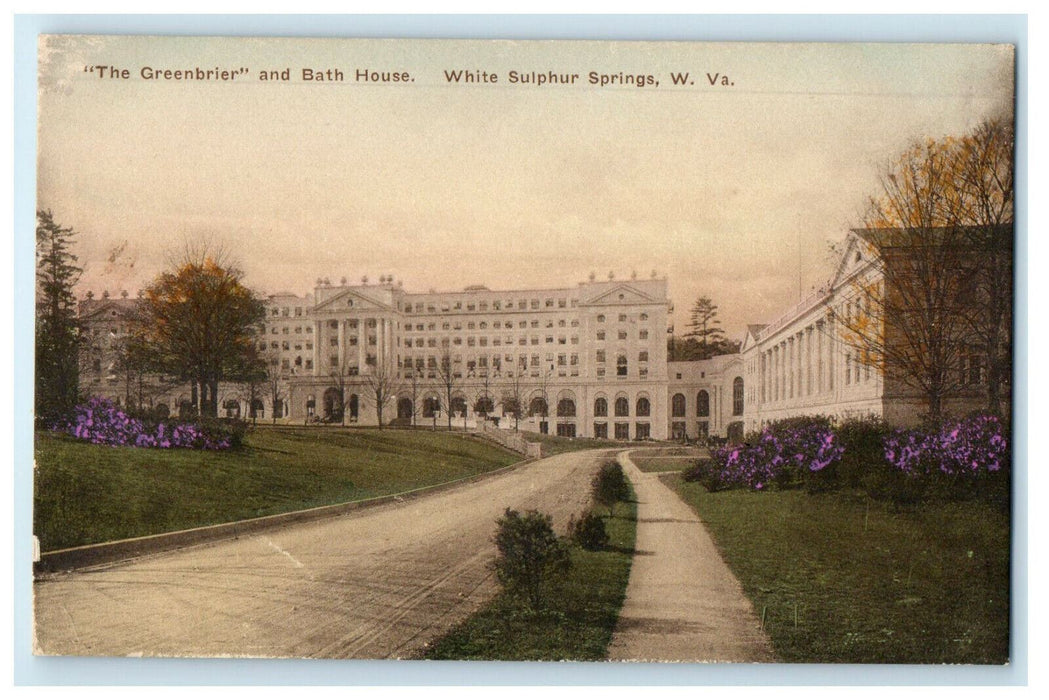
(350,300)
(857,255)
(751,337)
(621,294)
(105,309)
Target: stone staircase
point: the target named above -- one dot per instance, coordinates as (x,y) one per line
(510,440)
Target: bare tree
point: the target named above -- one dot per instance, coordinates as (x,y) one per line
(543,385)
(412,384)
(275,385)
(449,378)
(340,378)
(513,394)
(984,206)
(384,384)
(907,313)
(484,403)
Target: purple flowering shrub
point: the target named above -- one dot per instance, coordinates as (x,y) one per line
(101,422)
(784,455)
(959,459)
(966,447)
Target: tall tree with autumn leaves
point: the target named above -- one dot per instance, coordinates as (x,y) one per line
(939,240)
(198,323)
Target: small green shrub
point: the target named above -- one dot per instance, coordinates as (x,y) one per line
(531,556)
(231,429)
(864,459)
(707,473)
(610,486)
(589,532)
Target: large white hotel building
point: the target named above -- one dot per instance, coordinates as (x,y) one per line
(588,360)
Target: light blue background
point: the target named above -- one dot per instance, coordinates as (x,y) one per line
(30,670)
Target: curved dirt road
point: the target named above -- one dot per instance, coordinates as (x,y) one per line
(379,583)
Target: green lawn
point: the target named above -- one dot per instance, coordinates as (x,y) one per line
(662,463)
(90,493)
(554,445)
(581,618)
(842,579)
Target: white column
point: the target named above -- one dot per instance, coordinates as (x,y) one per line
(382,354)
(819,358)
(316,348)
(342,344)
(362,338)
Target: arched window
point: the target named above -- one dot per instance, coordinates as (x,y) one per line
(622,406)
(621,366)
(677,406)
(431,406)
(601,407)
(737,396)
(538,407)
(333,404)
(484,405)
(644,408)
(565,408)
(459,406)
(405,410)
(703,404)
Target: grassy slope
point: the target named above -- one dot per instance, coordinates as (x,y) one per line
(582,618)
(89,493)
(870,585)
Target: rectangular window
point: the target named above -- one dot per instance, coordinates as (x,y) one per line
(601,430)
(622,431)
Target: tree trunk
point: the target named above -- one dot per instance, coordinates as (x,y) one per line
(935,406)
(213,404)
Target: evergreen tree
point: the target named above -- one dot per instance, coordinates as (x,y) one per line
(705,327)
(57,333)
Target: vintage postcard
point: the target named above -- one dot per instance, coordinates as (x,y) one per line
(526,350)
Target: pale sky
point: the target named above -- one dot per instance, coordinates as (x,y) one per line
(445,185)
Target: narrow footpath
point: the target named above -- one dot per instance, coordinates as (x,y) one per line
(682,601)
